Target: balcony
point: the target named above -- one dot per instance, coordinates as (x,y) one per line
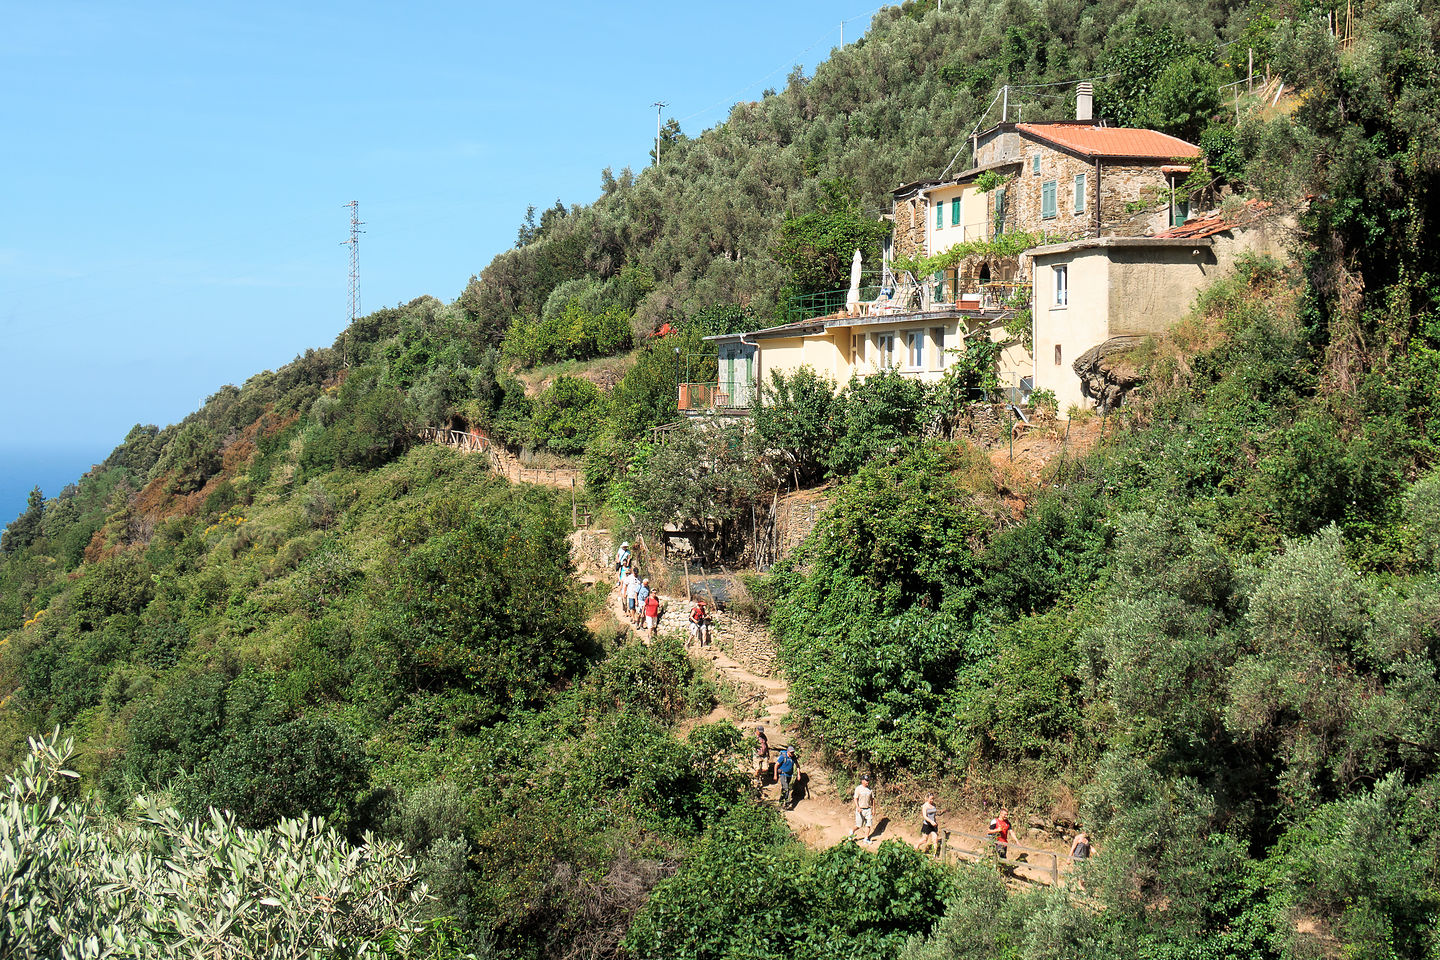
(716,397)
(907,296)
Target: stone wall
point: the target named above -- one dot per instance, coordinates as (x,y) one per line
(909,239)
(1133,200)
(1024,194)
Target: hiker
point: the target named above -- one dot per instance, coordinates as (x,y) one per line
(762,758)
(632,592)
(622,561)
(864,799)
(785,768)
(641,596)
(1080,852)
(1000,830)
(700,624)
(929,826)
(652,613)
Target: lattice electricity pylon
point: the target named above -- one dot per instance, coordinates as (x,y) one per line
(354,244)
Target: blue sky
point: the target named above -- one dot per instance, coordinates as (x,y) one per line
(173,175)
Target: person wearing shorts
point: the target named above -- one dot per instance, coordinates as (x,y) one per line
(699,624)
(1001,832)
(641,596)
(632,594)
(864,799)
(929,826)
(762,757)
(652,613)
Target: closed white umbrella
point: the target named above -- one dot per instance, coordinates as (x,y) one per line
(852,299)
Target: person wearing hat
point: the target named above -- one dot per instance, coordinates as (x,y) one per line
(622,560)
(864,799)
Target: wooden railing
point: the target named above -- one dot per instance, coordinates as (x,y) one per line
(983,848)
(503,461)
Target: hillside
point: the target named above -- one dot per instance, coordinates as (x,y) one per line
(1205,630)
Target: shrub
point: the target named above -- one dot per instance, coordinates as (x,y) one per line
(567,415)
(487,607)
(80,885)
(877,418)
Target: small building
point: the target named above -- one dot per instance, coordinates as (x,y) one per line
(919,344)
(1100,296)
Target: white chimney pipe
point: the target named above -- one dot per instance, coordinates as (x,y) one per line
(1084,101)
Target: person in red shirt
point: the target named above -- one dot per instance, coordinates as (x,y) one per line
(1001,832)
(700,624)
(652,613)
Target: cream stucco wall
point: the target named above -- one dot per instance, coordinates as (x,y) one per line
(1074,327)
(972,225)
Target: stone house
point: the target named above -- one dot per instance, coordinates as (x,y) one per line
(1066,178)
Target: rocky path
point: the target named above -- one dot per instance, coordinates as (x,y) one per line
(822,816)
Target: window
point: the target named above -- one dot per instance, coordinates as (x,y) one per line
(939,214)
(937,335)
(915,349)
(857,349)
(1079,193)
(955,212)
(1182,212)
(884,350)
(1062,287)
(939,284)
(1035,165)
(999,212)
(1047,199)
(1057,354)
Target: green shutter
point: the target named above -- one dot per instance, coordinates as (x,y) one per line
(955,212)
(1047,199)
(1080,193)
(939,213)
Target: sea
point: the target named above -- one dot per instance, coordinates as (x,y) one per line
(21,470)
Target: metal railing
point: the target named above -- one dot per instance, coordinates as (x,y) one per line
(716,395)
(811,305)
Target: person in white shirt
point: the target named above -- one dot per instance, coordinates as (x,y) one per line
(864,799)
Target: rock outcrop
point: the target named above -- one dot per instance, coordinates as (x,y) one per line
(1106,373)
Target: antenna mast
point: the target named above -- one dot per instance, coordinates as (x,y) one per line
(354,244)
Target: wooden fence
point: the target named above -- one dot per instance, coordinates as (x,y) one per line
(503,461)
(975,847)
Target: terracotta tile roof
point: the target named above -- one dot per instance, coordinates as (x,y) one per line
(1092,141)
(1200,227)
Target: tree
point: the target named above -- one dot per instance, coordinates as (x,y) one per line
(818,247)
(566,416)
(793,422)
(23,530)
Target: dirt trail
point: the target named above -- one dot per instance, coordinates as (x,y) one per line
(821,817)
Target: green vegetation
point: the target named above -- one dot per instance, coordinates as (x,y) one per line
(1211,640)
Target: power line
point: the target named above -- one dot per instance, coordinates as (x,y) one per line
(658,105)
(732,98)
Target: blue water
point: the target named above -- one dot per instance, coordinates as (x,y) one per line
(23,469)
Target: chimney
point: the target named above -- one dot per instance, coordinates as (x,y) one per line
(1084,98)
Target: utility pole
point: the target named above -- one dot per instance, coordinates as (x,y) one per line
(658,105)
(1004,105)
(842,33)
(354,244)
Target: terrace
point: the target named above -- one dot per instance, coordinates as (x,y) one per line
(906,296)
